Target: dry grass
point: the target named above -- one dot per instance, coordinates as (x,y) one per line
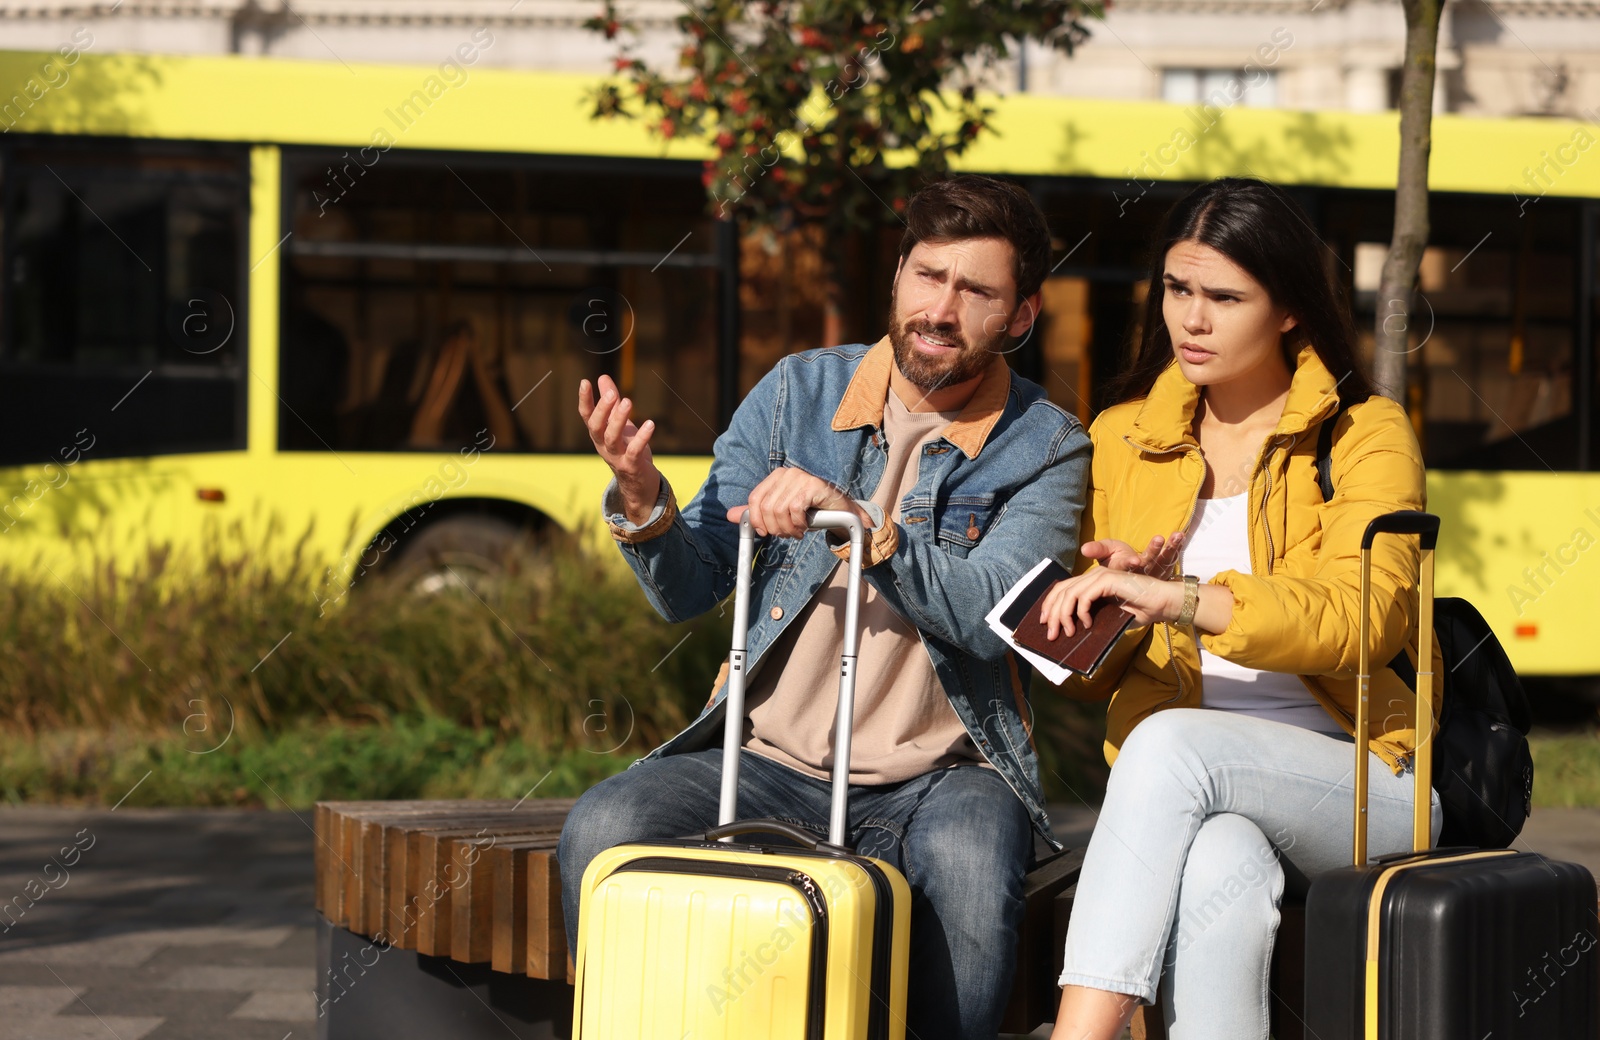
(128,669)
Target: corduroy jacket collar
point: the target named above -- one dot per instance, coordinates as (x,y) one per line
(862,404)
(1165,422)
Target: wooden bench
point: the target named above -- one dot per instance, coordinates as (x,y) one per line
(476,883)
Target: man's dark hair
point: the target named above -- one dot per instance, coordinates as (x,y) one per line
(970,206)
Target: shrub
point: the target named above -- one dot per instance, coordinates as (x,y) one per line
(560,655)
(223,681)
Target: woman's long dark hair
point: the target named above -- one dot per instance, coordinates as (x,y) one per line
(1260,228)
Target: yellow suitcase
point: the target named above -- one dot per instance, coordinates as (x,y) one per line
(709,939)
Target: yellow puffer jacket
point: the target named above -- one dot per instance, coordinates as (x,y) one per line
(1297,610)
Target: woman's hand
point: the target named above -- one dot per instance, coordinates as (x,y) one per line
(1067,603)
(1124,573)
(1158,560)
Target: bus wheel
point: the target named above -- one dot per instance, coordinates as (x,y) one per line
(460,552)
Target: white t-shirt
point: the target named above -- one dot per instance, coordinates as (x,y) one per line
(1219,540)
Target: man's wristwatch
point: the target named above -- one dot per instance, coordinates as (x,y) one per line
(1191,600)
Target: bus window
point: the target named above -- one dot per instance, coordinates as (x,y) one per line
(782,297)
(121,324)
(1101,235)
(783,294)
(1064,332)
(430,302)
(1492,328)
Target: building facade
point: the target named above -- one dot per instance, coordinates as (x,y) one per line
(1506,58)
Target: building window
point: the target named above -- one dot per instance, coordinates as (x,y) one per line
(1222,88)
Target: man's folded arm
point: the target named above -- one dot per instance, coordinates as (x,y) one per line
(947,595)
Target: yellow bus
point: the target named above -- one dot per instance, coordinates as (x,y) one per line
(358,300)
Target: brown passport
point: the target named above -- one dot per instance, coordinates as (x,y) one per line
(1085,649)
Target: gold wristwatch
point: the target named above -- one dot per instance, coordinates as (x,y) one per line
(1191,600)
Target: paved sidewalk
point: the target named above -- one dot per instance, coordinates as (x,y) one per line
(197,924)
(155,925)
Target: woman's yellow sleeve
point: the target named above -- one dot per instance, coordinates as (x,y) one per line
(1311,626)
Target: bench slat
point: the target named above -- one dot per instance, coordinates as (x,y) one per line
(431,886)
(372,868)
(432,880)
(351,848)
(508,900)
(547,934)
(472,900)
(523,880)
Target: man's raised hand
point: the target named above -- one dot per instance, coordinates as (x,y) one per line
(624,446)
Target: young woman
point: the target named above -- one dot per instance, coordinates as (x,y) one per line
(1233,693)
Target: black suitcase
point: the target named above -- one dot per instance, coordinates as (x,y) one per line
(1445,944)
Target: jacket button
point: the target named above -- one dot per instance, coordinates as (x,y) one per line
(776,613)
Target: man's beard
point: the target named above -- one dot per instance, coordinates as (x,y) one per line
(929,374)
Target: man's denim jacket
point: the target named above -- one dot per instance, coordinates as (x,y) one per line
(1001,489)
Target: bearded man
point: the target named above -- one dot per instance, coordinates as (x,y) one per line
(966,476)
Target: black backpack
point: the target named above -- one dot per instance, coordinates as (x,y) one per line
(1482,768)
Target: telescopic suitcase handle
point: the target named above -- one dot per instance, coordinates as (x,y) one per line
(819,520)
(1404,521)
(793,832)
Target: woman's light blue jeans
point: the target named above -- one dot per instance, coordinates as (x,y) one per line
(959,835)
(1208,817)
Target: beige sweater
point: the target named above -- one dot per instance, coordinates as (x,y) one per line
(904,724)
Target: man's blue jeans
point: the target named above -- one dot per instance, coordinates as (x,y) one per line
(960,836)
